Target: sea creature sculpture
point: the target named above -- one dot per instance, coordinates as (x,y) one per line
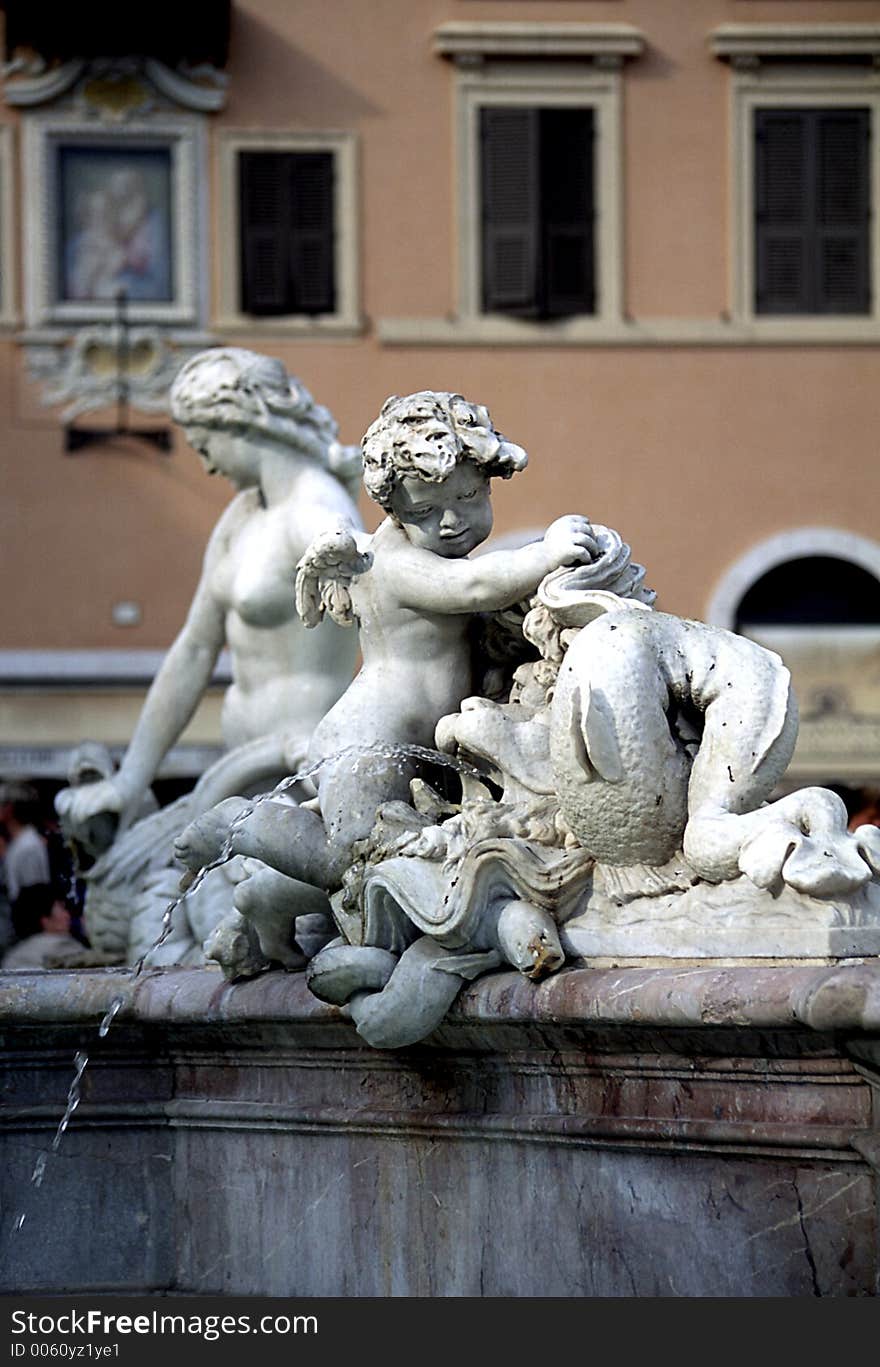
(668,735)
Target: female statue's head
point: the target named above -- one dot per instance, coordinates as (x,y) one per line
(429,434)
(231,389)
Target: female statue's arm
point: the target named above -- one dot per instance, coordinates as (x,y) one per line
(170,703)
(175,692)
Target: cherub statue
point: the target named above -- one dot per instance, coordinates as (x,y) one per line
(413,591)
(252,422)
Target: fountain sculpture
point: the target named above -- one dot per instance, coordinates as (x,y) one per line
(535,838)
(615,802)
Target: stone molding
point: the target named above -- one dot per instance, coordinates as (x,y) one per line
(656,1135)
(471,40)
(492,330)
(752,42)
(841,997)
(25,88)
(9,277)
(20,668)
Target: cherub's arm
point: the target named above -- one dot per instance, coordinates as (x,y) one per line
(492,581)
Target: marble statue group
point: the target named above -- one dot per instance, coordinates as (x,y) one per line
(532,768)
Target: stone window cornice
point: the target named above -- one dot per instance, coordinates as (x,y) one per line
(472,41)
(751,44)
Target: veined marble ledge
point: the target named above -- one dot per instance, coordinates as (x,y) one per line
(831,997)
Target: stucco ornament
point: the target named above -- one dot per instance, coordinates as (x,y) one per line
(612,766)
(84,374)
(260,428)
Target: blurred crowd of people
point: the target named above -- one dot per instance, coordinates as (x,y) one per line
(862,804)
(866,809)
(40,896)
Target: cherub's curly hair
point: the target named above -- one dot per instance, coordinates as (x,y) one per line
(428,434)
(239,390)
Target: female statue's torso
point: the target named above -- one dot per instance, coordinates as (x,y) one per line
(283,674)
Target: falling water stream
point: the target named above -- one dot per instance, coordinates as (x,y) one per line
(397,753)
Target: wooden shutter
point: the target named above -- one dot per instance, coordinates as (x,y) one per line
(568,211)
(782,211)
(510,208)
(263,217)
(312,232)
(842,211)
(287,232)
(812,200)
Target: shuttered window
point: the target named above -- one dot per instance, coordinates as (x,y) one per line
(812,211)
(538,252)
(287,232)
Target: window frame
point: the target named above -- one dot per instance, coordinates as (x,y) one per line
(183,137)
(346,317)
(540,85)
(776,87)
(8,256)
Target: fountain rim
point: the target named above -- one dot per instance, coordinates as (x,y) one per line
(822,996)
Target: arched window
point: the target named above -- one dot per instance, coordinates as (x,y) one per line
(824,575)
(814,590)
(813,595)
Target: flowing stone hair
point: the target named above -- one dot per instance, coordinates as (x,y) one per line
(241,391)
(427,434)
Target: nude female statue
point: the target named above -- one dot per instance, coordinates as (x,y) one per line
(250,421)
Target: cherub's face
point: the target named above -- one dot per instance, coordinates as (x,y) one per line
(225,453)
(450,518)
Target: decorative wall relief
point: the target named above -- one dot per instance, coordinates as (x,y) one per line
(114,156)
